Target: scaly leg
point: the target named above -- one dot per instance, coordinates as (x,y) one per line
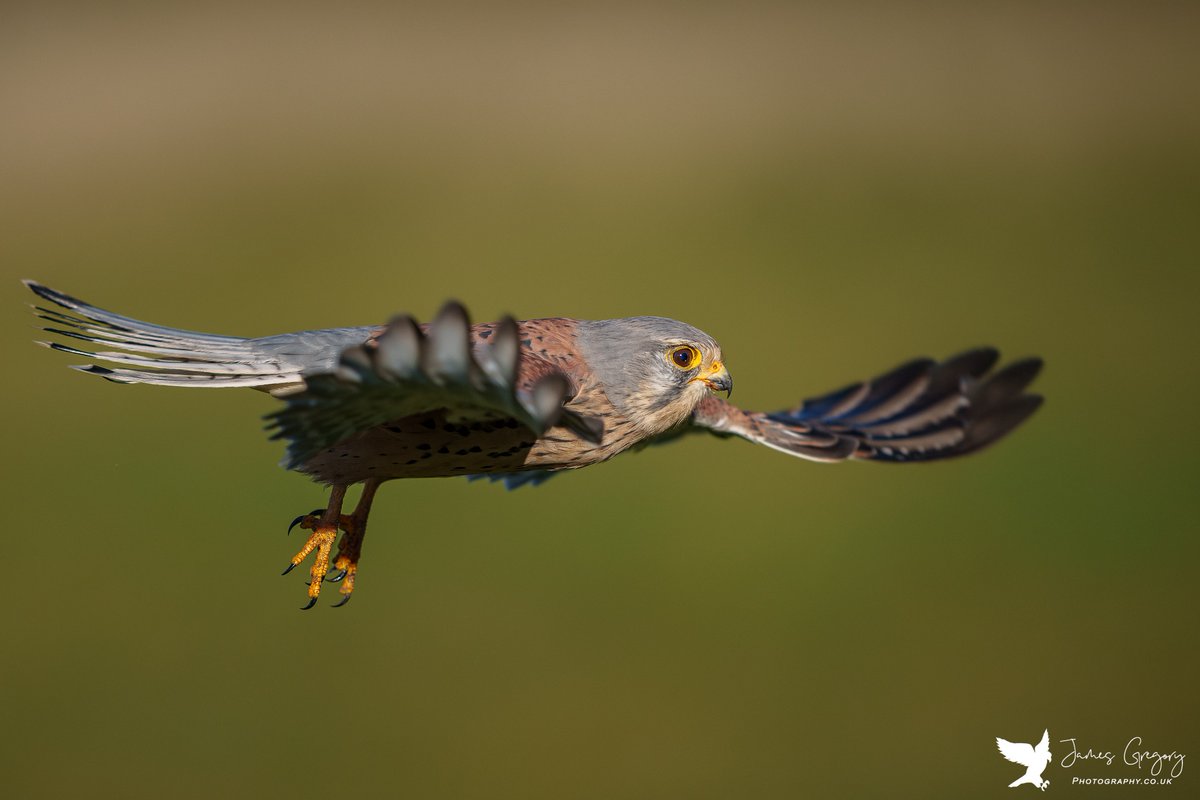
(324,530)
(350,548)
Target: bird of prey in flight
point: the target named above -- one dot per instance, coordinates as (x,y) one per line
(521,401)
(1034,759)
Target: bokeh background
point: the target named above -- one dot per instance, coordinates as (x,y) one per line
(828,189)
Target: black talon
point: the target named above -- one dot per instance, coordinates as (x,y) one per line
(290,567)
(341,602)
(303,517)
(312,601)
(335,578)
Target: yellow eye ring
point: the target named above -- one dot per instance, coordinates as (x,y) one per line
(684,357)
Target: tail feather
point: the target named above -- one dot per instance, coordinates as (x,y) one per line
(134,346)
(165,356)
(120,322)
(214,368)
(195,380)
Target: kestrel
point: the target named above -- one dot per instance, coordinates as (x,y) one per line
(521,401)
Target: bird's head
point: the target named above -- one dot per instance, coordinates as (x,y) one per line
(653,369)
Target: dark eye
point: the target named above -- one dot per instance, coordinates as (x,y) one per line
(684,356)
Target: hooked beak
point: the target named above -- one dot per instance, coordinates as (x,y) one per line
(716,378)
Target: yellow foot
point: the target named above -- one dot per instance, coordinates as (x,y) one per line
(321,540)
(349,550)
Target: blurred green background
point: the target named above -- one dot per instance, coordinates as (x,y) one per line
(827,189)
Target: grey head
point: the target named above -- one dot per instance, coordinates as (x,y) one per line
(653,369)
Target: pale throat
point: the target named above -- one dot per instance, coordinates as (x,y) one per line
(653,417)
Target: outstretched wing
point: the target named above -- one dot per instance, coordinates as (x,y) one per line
(1016,752)
(1043,747)
(407,370)
(920,411)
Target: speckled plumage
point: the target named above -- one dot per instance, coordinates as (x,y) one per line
(441,443)
(510,399)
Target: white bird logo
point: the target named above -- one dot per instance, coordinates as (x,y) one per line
(1034,759)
